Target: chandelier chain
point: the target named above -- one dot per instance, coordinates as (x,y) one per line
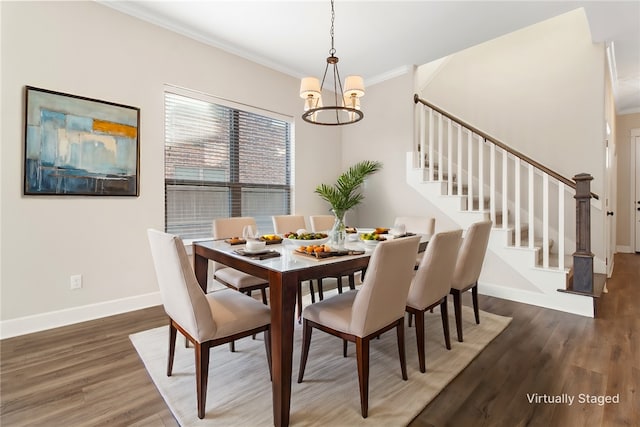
(332,51)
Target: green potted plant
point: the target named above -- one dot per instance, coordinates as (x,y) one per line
(345,194)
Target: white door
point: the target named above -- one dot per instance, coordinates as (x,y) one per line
(610,203)
(636,201)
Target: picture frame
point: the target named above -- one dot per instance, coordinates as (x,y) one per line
(78,146)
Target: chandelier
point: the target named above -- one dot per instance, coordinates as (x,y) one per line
(345,108)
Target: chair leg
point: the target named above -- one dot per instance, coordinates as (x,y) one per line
(444,312)
(344,348)
(320,291)
(172,347)
(299,308)
(420,340)
(263,291)
(232,346)
(401,350)
(339,279)
(312,292)
(362,355)
(267,347)
(202,374)
(410,319)
(352,281)
(457,306)
(306,342)
(474,297)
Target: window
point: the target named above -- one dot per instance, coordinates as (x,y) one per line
(222,161)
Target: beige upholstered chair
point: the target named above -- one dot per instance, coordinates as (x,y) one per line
(324,223)
(321,223)
(224,228)
(468,268)
(360,315)
(418,225)
(432,283)
(288,223)
(292,223)
(207,320)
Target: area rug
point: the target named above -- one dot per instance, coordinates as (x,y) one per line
(239,392)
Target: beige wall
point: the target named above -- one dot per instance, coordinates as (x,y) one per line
(541,90)
(87,49)
(552,75)
(626,200)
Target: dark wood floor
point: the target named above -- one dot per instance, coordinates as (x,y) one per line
(90,375)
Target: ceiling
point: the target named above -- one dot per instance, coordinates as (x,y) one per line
(380,39)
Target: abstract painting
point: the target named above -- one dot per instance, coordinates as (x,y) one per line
(80,146)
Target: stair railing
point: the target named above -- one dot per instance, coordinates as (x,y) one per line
(505,182)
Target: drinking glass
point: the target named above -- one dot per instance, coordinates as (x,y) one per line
(248,232)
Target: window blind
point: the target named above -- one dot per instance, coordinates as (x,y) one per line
(223,162)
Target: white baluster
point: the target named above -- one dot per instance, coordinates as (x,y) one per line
(423,132)
(492,184)
(480,173)
(470,171)
(545,221)
(430,157)
(449,158)
(440,137)
(560,225)
(517,201)
(459,177)
(505,190)
(531,208)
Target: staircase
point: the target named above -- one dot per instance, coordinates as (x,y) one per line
(470,177)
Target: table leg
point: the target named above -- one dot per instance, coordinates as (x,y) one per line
(283,298)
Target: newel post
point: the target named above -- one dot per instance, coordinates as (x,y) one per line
(582,257)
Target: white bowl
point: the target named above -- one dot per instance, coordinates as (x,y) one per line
(255,245)
(371,242)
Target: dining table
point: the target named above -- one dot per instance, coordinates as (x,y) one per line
(283,272)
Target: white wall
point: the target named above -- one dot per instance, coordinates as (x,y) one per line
(87,49)
(386,134)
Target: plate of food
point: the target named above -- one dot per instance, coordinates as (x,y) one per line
(324,251)
(305,238)
(372,239)
(271,239)
(235,241)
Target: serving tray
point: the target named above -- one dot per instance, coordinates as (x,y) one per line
(322,255)
(235,241)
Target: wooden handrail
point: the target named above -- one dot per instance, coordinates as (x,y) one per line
(569,182)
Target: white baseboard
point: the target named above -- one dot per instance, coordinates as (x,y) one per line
(53,319)
(624,249)
(569,303)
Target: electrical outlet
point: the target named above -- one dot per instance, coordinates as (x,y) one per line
(76,281)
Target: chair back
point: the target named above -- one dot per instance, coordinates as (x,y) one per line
(417,224)
(383,296)
(471,255)
(288,223)
(433,279)
(224,228)
(182,297)
(321,223)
